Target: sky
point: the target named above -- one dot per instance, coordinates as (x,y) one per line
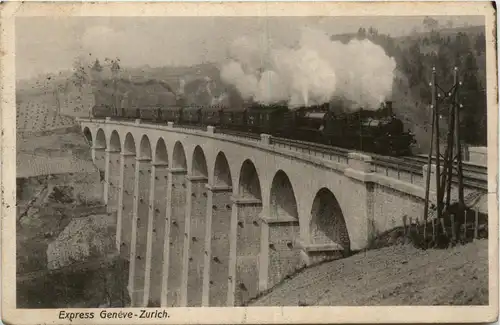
(49,44)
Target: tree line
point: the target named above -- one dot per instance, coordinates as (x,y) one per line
(417,54)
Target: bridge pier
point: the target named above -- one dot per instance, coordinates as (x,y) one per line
(205,292)
(279,254)
(125,204)
(218,239)
(112,179)
(98,157)
(156,230)
(245,249)
(139,231)
(176,236)
(166,240)
(194,249)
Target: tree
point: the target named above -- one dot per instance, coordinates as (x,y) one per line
(97,66)
(480,44)
(80,75)
(462,43)
(474,102)
(372,31)
(361,33)
(430,23)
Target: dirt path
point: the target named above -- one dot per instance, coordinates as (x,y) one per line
(396,275)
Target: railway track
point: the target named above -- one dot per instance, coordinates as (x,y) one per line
(475,176)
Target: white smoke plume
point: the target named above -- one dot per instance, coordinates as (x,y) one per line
(314,72)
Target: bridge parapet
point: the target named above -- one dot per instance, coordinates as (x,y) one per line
(478,155)
(360,162)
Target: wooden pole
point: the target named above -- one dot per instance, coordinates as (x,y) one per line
(465,225)
(438,154)
(434,230)
(476,224)
(458,144)
(429,160)
(453,230)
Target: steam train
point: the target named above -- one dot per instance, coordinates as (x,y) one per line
(377,131)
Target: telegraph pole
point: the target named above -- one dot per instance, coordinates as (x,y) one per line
(458,141)
(444,181)
(438,154)
(429,159)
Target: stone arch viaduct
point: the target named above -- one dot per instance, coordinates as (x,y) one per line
(210,219)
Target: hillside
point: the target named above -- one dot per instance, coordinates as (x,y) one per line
(444,49)
(415,55)
(58,185)
(396,275)
(39,110)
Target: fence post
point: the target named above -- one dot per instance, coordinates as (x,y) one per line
(404,225)
(465,224)
(441,221)
(453,232)
(433,229)
(265,138)
(476,224)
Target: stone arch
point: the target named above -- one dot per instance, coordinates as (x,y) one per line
(145,148)
(249,184)
(283,202)
(114,141)
(199,163)
(100,139)
(179,156)
(88,135)
(129,146)
(161,154)
(327,220)
(222,172)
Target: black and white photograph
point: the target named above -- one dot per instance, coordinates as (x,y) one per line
(249,155)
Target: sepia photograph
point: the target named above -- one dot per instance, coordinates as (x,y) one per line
(276,158)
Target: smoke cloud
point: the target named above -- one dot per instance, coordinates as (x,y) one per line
(314,72)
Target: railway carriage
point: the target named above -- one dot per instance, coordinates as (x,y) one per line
(192,115)
(377,131)
(234,118)
(211,115)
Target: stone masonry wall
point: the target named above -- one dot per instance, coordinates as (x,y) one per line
(284,257)
(100,159)
(128,204)
(142,223)
(196,242)
(114,180)
(248,249)
(390,205)
(219,262)
(177,226)
(158,236)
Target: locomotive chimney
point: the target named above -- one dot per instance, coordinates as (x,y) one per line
(388,107)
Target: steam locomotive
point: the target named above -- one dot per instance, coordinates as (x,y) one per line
(377,131)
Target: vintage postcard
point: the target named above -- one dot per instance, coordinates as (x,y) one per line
(257,163)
